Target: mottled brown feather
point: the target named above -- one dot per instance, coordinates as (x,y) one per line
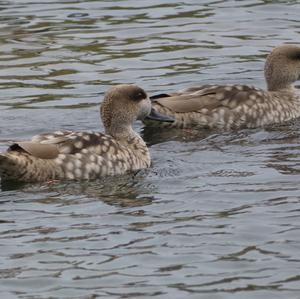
(194,100)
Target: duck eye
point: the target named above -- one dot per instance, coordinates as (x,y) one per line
(138,96)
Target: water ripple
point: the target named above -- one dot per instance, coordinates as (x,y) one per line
(216,216)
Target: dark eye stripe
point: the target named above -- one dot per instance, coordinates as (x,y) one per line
(138,95)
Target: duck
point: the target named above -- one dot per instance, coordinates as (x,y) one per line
(72,155)
(237,106)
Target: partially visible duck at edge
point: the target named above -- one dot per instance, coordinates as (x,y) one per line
(238,106)
(86,155)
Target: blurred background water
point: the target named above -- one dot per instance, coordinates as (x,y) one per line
(217,214)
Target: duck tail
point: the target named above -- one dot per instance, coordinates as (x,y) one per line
(4,162)
(23,167)
(16,167)
(8,166)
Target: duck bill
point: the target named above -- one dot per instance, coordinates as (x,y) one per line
(154,115)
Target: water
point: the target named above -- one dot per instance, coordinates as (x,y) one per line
(216,216)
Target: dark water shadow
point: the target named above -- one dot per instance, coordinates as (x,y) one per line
(124,191)
(11,185)
(153,135)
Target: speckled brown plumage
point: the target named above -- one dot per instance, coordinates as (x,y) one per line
(85,155)
(238,106)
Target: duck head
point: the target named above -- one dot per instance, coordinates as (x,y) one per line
(122,105)
(282,67)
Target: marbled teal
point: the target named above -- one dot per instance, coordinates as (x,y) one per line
(238,106)
(86,155)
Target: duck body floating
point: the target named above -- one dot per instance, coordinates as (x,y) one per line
(86,155)
(237,106)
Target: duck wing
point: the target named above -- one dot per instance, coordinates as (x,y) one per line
(194,99)
(50,145)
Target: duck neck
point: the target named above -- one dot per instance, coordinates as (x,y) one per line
(123,133)
(281,87)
